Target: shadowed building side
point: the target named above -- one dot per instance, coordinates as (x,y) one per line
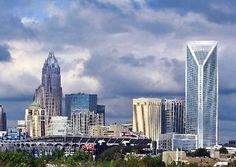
(3,119)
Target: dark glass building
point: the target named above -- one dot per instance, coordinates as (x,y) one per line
(3,119)
(101,114)
(80,101)
(173,116)
(49,93)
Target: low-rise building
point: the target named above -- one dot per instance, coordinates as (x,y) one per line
(170,156)
(113,130)
(98,130)
(173,141)
(21,126)
(13,134)
(2,133)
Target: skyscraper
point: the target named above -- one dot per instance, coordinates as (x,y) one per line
(80,101)
(49,93)
(201,91)
(3,119)
(147,117)
(173,116)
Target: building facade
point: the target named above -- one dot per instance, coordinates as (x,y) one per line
(3,119)
(147,117)
(100,114)
(83,120)
(113,130)
(98,131)
(58,126)
(201,91)
(21,126)
(173,141)
(35,120)
(49,93)
(80,101)
(173,116)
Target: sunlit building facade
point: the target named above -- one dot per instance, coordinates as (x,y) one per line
(201,88)
(58,126)
(35,120)
(147,117)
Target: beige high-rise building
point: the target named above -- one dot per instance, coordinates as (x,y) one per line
(35,120)
(147,117)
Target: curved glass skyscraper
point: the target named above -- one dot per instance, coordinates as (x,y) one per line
(201,89)
(49,93)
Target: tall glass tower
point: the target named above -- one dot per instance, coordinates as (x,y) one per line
(49,93)
(201,92)
(80,101)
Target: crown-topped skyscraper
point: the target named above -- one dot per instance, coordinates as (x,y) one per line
(49,93)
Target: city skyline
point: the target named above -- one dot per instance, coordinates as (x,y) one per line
(104,55)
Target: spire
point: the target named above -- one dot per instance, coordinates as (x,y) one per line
(51,60)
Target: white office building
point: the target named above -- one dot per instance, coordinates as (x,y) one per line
(174,141)
(201,92)
(58,126)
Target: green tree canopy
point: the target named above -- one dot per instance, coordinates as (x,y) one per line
(223,150)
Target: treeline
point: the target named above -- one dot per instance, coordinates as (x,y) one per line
(112,157)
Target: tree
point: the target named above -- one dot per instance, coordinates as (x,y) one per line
(16,158)
(149,161)
(223,150)
(112,153)
(233,164)
(201,152)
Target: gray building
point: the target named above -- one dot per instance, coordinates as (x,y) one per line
(173,141)
(201,92)
(3,119)
(173,116)
(83,120)
(49,93)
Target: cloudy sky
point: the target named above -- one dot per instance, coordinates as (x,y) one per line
(119,49)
